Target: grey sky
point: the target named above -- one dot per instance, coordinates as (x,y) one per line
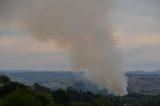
(138,26)
(135,24)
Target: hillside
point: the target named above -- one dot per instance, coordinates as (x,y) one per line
(138,81)
(144,82)
(17,94)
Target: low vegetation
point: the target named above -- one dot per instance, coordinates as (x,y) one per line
(16,94)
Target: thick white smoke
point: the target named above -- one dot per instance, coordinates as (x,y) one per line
(83,27)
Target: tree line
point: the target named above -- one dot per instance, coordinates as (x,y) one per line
(17,94)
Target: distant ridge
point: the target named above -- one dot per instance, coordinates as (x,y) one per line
(17,71)
(139,72)
(138,81)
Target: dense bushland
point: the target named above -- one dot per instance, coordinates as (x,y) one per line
(16,94)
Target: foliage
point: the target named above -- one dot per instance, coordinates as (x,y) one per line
(39,89)
(16,94)
(45,99)
(4,79)
(20,98)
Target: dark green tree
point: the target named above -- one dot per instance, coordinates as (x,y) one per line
(46,99)
(4,79)
(20,97)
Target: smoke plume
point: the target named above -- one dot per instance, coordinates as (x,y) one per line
(83,27)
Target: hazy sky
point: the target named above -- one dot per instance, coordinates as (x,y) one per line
(136,27)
